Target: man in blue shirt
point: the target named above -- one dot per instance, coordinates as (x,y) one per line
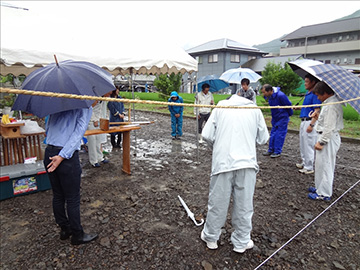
(176,115)
(279,121)
(307,134)
(64,133)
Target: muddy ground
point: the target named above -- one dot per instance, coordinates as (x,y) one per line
(142,225)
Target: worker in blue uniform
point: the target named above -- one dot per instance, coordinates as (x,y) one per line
(176,115)
(279,121)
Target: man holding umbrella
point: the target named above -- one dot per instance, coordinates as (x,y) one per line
(246,91)
(336,83)
(65,127)
(330,122)
(307,133)
(205,98)
(64,133)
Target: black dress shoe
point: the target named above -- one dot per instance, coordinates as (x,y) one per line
(65,234)
(85,238)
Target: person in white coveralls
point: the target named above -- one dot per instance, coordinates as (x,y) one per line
(328,126)
(233,134)
(94,141)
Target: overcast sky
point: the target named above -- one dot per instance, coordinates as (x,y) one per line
(181,23)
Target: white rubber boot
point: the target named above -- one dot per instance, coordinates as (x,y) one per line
(201,139)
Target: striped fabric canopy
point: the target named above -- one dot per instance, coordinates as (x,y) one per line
(344,83)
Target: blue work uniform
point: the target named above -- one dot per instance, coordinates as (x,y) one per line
(279,121)
(310,99)
(176,122)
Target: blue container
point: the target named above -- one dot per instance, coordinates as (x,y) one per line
(22,179)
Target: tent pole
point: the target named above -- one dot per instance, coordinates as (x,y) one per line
(133,110)
(197,121)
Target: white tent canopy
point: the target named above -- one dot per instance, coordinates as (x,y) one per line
(27,45)
(118,60)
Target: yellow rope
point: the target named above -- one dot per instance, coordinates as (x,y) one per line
(123,100)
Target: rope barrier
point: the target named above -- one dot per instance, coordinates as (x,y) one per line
(312,221)
(83,97)
(87,97)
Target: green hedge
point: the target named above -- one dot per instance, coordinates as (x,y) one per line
(349,112)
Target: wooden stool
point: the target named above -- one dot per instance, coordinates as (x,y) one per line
(16,149)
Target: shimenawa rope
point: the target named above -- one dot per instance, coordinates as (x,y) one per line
(123,100)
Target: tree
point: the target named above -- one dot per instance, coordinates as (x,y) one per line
(8,100)
(168,83)
(284,77)
(15,81)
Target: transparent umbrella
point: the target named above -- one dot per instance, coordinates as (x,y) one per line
(235,75)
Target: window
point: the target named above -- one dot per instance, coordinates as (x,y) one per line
(199,59)
(213,58)
(235,58)
(329,40)
(357,61)
(327,61)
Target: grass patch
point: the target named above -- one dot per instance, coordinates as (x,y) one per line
(351,116)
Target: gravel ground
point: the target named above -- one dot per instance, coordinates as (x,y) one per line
(142,225)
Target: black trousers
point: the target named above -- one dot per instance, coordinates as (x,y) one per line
(65,183)
(202,120)
(113,138)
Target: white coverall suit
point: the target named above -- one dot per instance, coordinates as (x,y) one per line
(233,134)
(94,141)
(329,124)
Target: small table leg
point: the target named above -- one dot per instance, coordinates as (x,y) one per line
(126,152)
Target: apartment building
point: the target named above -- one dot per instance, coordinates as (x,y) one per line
(336,42)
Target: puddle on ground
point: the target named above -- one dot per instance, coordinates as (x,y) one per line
(146,148)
